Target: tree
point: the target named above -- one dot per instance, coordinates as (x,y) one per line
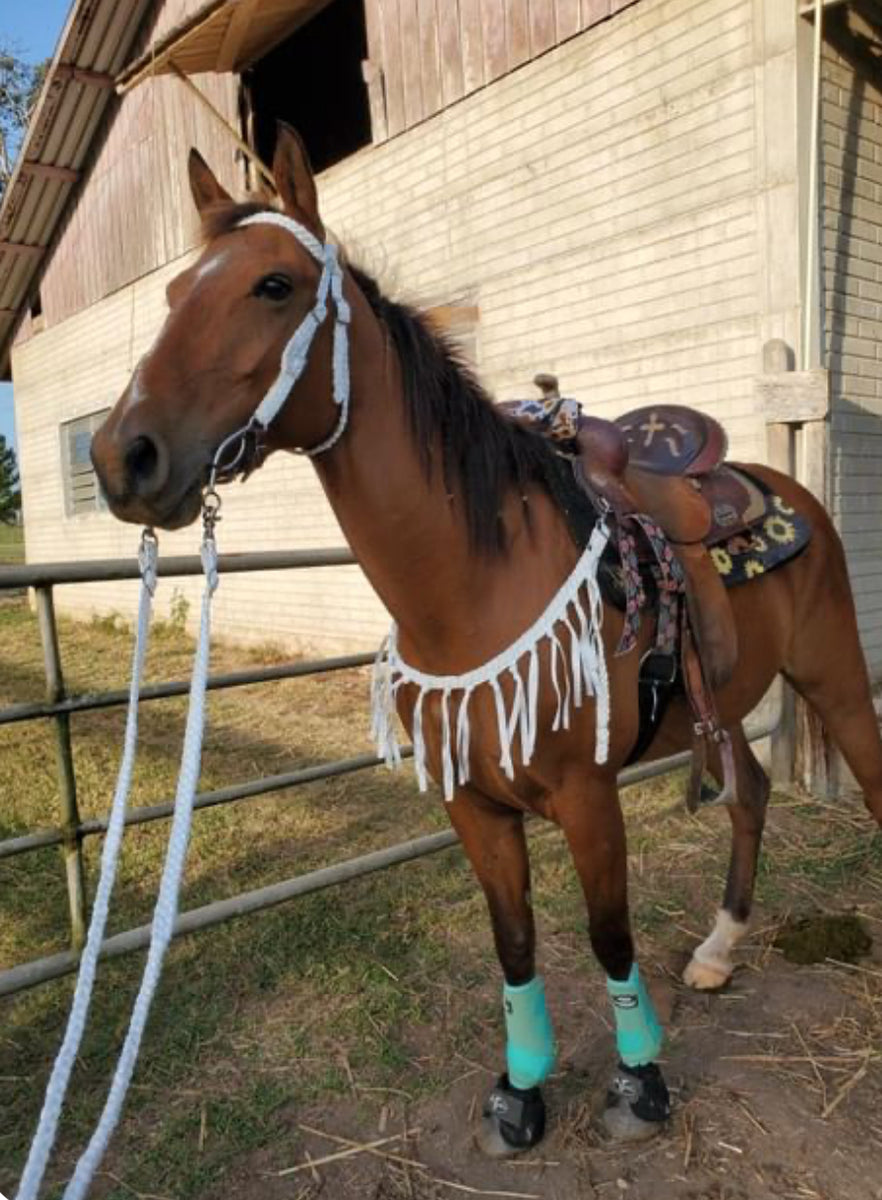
(10,495)
(20,84)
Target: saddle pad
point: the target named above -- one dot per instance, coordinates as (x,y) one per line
(776,537)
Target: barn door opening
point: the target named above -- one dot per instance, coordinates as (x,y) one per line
(314,81)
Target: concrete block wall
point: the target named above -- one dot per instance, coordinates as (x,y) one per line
(599,205)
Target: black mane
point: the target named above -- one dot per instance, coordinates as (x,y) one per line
(483,452)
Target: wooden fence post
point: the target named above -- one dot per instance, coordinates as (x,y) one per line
(72,845)
(795,405)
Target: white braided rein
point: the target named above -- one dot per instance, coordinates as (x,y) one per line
(166,909)
(44,1139)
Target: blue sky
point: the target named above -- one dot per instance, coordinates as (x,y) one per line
(30,28)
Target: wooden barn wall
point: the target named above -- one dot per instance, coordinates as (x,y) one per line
(133,212)
(852,228)
(600,207)
(431,53)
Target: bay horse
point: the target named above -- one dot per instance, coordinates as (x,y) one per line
(457,517)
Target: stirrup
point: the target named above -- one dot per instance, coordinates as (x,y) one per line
(706,729)
(697,796)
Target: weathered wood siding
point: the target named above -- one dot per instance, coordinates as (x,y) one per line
(852,223)
(133,212)
(426,54)
(600,206)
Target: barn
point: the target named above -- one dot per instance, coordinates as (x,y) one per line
(657,200)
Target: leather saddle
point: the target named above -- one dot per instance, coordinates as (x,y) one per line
(667,461)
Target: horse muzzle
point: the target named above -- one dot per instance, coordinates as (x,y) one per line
(137,480)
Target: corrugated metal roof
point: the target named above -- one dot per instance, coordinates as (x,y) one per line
(94,46)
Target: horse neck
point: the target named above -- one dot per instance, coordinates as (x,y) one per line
(409,535)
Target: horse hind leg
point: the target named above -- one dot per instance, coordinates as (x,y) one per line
(711,964)
(826,666)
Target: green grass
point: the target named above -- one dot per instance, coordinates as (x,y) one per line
(305,984)
(390,981)
(11,544)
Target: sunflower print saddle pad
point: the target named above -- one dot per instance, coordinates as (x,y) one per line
(777,537)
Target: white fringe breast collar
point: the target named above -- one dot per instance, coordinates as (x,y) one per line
(578,669)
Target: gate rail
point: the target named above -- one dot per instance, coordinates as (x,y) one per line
(59,706)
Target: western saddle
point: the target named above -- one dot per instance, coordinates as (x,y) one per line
(662,467)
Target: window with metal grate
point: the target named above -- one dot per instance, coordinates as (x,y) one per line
(82,491)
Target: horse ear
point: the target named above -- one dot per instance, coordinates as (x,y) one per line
(294,179)
(207,192)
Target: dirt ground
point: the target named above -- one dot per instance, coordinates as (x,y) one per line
(776,1082)
(359,1013)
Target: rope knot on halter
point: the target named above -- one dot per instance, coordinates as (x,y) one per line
(148,558)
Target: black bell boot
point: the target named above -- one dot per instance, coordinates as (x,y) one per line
(513,1120)
(637,1103)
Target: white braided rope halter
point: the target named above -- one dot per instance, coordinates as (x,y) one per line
(165,913)
(295,354)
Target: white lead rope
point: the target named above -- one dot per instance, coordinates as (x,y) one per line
(166,909)
(44,1139)
(294,358)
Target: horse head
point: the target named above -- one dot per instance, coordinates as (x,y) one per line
(231,316)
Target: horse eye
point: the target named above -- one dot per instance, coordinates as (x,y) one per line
(273,287)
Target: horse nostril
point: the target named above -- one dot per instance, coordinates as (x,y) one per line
(142,460)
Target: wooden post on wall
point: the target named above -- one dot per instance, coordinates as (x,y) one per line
(795,405)
(778,359)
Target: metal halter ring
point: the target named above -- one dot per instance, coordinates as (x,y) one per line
(221,469)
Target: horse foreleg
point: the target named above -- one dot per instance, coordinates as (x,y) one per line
(492,836)
(591,819)
(711,964)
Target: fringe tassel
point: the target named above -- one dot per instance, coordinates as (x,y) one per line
(462,737)
(502,725)
(582,666)
(383,708)
(532,704)
(419,745)
(446,753)
(575,664)
(517,720)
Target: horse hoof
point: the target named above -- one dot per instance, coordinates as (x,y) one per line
(513,1120)
(493,1143)
(623,1125)
(637,1104)
(706,977)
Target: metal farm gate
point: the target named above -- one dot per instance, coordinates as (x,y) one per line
(71,830)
